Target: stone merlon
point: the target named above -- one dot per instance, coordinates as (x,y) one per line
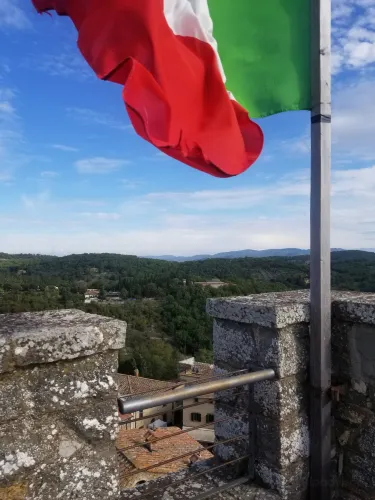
(277,310)
(58,405)
(272,310)
(46,337)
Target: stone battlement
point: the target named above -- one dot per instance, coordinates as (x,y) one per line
(58,405)
(58,400)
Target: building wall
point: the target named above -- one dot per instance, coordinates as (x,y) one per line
(148,419)
(207,434)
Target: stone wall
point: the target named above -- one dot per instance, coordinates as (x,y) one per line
(266,331)
(353,357)
(58,405)
(272,331)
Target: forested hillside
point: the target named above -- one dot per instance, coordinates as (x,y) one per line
(163,306)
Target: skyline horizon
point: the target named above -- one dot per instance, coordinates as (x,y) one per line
(202,254)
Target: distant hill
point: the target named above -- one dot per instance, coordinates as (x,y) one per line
(359,255)
(239,254)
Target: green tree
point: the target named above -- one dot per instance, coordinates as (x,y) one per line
(205,356)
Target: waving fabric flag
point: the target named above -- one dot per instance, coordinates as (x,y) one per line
(189,66)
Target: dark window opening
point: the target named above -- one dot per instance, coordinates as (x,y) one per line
(209,418)
(196,417)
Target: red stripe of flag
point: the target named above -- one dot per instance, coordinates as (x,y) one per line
(173,89)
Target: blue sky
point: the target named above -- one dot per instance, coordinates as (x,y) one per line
(74,177)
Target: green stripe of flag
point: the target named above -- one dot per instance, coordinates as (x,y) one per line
(264,46)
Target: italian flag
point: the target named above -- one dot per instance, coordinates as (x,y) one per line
(195,71)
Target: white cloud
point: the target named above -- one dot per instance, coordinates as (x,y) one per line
(5,176)
(6,107)
(49,174)
(129,184)
(65,65)
(300,145)
(99,165)
(353,122)
(91,117)
(182,241)
(220,200)
(35,201)
(195,222)
(353,34)
(4,70)
(10,135)
(102,216)
(12,16)
(63,147)
(7,96)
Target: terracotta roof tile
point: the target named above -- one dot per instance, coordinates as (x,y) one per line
(145,456)
(204,369)
(131,385)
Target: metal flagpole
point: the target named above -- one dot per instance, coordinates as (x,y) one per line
(320,258)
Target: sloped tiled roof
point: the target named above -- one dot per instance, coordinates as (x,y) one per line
(130,385)
(200,372)
(142,457)
(204,369)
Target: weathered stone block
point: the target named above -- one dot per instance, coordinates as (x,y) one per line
(58,411)
(235,426)
(282,442)
(238,398)
(357,393)
(364,442)
(340,351)
(353,352)
(281,398)
(5,354)
(370,400)
(88,478)
(234,344)
(286,351)
(343,434)
(11,397)
(96,423)
(53,387)
(353,414)
(45,337)
(354,307)
(349,491)
(291,482)
(360,471)
(27,443)
(271,310)
(347,495)
(240,346)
